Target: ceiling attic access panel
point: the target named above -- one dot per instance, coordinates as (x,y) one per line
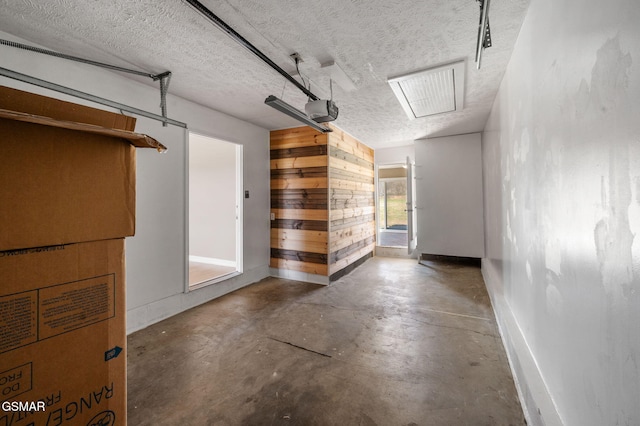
(432,91)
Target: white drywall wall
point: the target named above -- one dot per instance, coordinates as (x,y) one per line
(562,196)
(396,155)
(449,196)
(156,256)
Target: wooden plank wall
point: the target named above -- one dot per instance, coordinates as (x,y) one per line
(351,200)
(299,200)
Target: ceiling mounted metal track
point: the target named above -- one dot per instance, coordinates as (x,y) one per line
(204,11)
(484,32)
(22,46)
(89,97)
(164,77)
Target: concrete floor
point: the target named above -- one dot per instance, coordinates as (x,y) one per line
(392,343)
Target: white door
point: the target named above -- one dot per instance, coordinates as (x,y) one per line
(412,235)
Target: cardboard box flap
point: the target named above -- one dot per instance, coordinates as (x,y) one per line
(136,139)
(30,103)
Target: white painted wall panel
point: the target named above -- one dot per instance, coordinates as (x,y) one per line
(562,196)
(449,195)
(396,155)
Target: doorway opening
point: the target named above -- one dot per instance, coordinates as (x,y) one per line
(396,210)
(215,210)
(392,205)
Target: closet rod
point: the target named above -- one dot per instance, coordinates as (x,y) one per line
(86,96)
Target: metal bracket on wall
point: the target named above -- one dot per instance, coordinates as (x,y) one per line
(163,78)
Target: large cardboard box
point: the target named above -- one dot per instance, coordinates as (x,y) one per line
(64,181)
(67,199)
(62,334)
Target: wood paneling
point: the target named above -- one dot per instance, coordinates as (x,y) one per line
(299,200)
(306,151)
(307,172)
(351,212)
(322,198)
(297,183)
(352,177)
(310,246)
(343,263)
(350,221)
(299,162)
(345,142)
(351,203)
(350,249)
(299,256)
(301,214)
(303,193)
(294,265)
(307,225)
(296,138)
(299,235)
(344,165)
(356,202)
(347,236)
(299,204)
(351,158)
(349,184)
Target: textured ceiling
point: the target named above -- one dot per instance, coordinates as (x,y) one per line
(371,40)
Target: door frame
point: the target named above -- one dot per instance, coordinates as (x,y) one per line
(412,233)
(239,221)
(377,182)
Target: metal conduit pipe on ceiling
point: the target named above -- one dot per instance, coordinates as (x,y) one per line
(204,11)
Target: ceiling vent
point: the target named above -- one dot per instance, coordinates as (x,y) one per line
(431,91)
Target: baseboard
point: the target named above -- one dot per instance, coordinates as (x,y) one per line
(535,398)
(212,261)
(146,315)
(471,261)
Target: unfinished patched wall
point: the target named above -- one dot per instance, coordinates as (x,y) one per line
(562,194)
